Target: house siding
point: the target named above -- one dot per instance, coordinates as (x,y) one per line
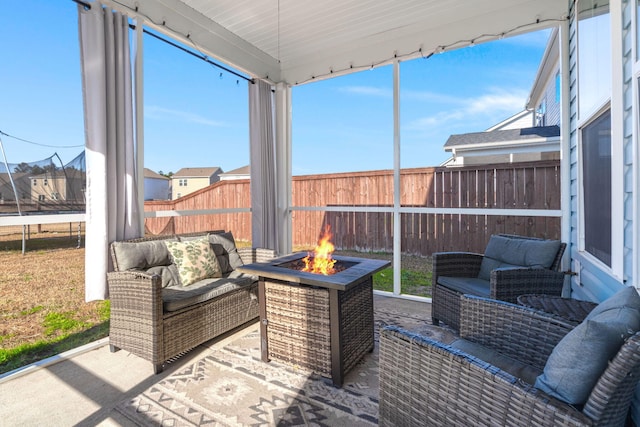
(552,116)
(627,127)
(193,184)
(156,189)
(595,281)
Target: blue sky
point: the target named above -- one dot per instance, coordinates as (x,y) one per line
(196,115)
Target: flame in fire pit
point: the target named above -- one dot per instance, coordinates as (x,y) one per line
(321,262)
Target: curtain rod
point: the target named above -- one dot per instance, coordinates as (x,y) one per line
(169,42)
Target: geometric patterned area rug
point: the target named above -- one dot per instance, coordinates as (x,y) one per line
(231,386)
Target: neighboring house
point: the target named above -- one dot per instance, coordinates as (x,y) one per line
(504,146)
(530,135)
(523,119)
(22,183)
(240,173)
(545,95)
(188,180)
(58,186)
(156,186)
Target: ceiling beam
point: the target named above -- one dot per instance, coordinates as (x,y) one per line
(175,19)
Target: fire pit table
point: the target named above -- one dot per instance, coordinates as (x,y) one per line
(323,323)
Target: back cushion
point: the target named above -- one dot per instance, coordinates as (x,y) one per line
(578,361)
(624,299)
(195,260)
(224,246)
(505,251)
(168,273)
(141,255)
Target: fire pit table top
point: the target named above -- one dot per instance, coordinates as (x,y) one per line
(355,270)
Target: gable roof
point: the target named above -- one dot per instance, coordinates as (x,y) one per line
(502,137)
(244,170)
(148,173)
(517,121)
(197,172)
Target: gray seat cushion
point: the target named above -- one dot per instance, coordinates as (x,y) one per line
(466,285)
(503,251)
(176,298)
(525,372)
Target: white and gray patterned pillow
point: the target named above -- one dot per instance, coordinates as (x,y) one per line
(195,260)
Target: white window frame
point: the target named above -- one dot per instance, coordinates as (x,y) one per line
(615,103)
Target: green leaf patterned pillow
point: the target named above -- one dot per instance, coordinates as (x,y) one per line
(195,260)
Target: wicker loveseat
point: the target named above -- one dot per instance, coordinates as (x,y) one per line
(155,317)
(511,266)
(487,376)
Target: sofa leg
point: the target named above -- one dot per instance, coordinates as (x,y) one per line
(157,368)
(435,321)
(113,348)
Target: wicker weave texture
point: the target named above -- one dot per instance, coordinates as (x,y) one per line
(356,320)
(573,310)
(504,284)
(136,314)
(427,383)
(298,330)
(139,325)
(299,325)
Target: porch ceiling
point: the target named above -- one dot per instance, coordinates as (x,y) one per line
(296,41)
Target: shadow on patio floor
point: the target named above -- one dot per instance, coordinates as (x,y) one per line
(84,389)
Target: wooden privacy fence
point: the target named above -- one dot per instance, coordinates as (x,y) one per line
(533,185)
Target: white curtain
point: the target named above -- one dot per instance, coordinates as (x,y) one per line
(111,195)
(262,158)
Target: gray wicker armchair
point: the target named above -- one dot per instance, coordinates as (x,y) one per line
(457,273)
(427,383)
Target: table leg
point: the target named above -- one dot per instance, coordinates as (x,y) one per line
(262,304)
(337,373)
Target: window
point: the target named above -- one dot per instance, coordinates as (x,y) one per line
(596,172)
(45,182)
(35,182)
(541,114)
(41,197)
(182,182)
(594,57)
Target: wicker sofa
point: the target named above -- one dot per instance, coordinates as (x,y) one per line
(155,317)
(511,266)
(487,376)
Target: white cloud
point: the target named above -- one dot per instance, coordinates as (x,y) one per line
(367,90)
(431,97)
(498,101)
(497,104)
(161,113)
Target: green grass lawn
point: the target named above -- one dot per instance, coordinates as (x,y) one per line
(411,283)
(63,333)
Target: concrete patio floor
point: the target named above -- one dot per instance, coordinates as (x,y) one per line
(82,390)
